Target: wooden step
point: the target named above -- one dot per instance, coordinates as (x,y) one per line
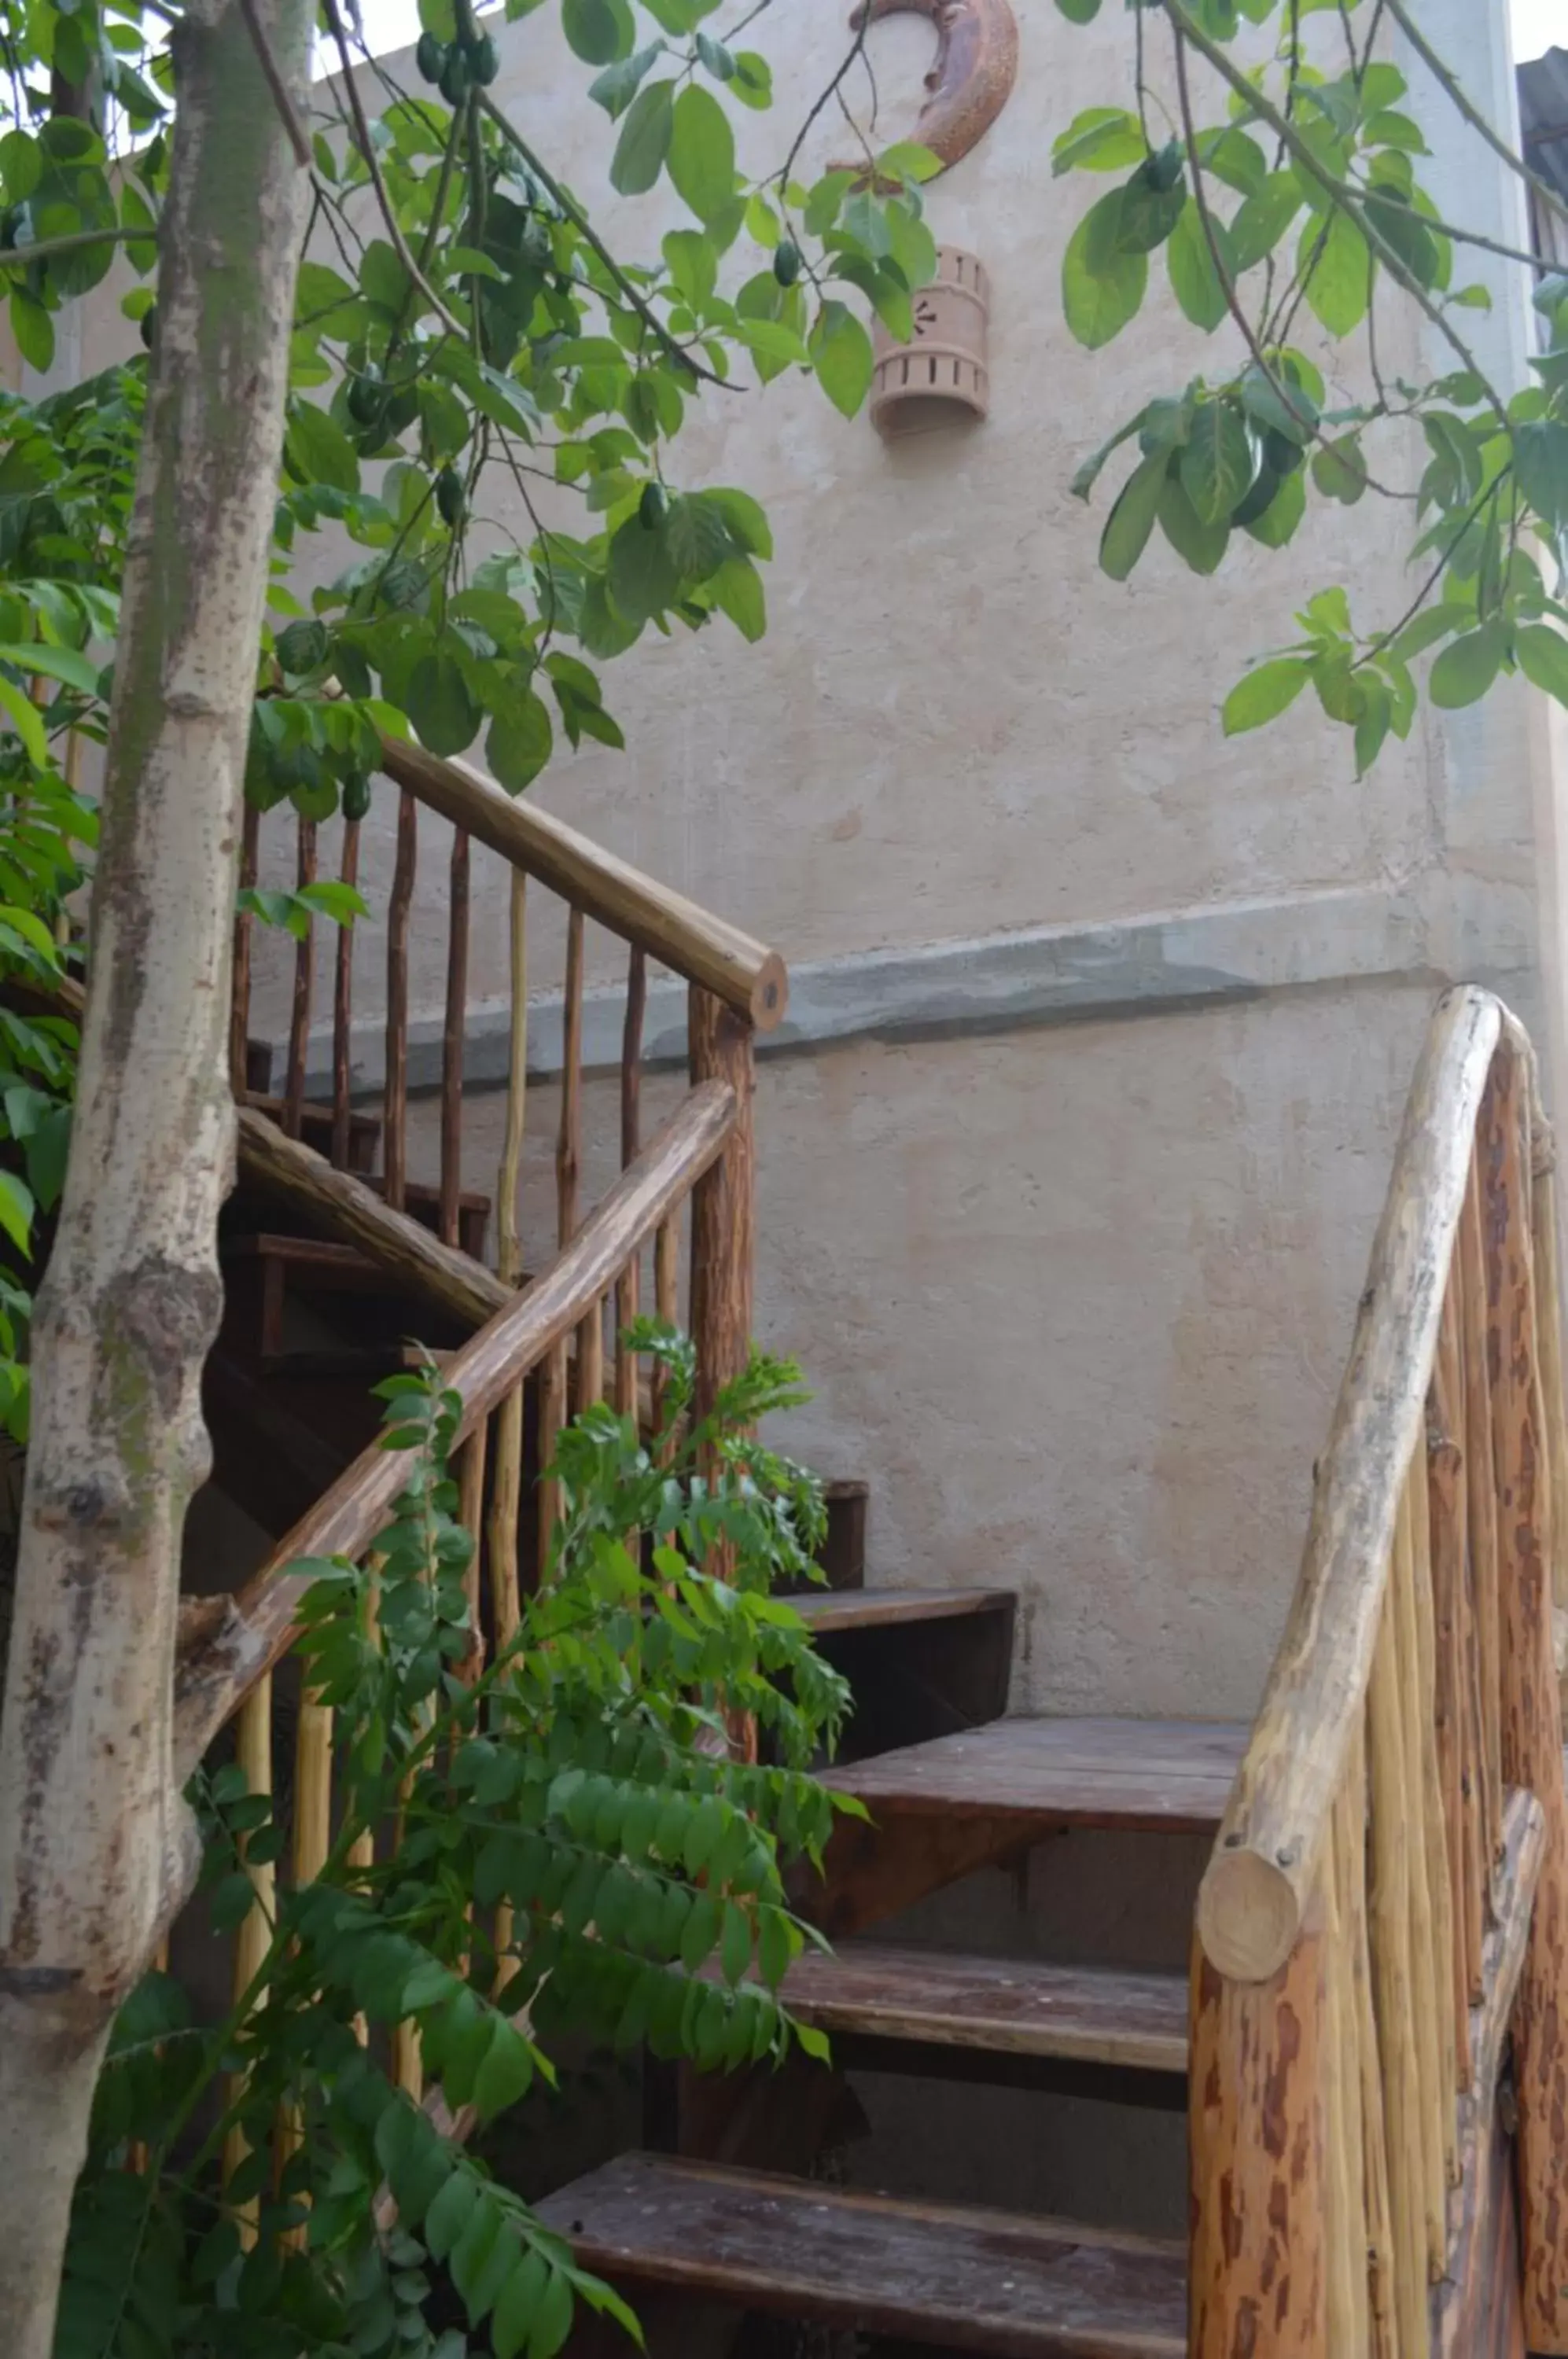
(316,1124)
(832,1612)
(1049,1773)
(956,2276)
(312,1262)
(943,1810)
(1017,2007)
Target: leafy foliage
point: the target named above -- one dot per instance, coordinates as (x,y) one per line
(574,1851)
(1302,202)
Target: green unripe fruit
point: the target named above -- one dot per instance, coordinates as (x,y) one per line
(653,506)
(367,399)
(786,261)
(357,795)
(449,498)
(430,56)
(482,62)
(454,76)
(147,327)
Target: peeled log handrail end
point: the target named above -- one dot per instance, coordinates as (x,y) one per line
(1250,1913)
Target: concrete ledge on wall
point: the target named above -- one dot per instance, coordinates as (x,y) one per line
(1048,975)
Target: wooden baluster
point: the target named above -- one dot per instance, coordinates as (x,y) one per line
(304,980)
(569,1138)
(1449,1502)
(1449,2000)
(666,1300)
(239,1002)
(1382,2299)
(1393,1981)
(360,1853)
(394,1103)
(628,1285)
(451,1037)
(1428,1979)
(253,1751)
(1531,1715)
(591,1359)
(552,1419)
(1345,2207)
(1258,2128)
(342,1008)
(312,1841)
(470,1461)
(1481,1501)
(507,1493)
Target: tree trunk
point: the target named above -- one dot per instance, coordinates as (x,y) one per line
(92,1830)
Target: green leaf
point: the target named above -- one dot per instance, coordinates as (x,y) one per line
(1265,694)
(598,31)
(735,1952)
(1079,12)
(26,720)
(1339,281)
(738,591)
(1468,665)
(643,578)
(439,704)
(319,449)
(1151,205)
(692,263)
(1201,545)
(1194,281)
(65,664)
(1219,462)
(519,741)
(1101,139)
(644,143)
(1131,520)
(842,356)
(616,88)
(505,2074)
(16,1210)
(1540,468)
(518,2306)
(702,153)
(1262,219)
(698,536)
(21,166)
(552,2323)
(1279,521)
(1339,470)
(1102,285)
(33,329)
(1542,656)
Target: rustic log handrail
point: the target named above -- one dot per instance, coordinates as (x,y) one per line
(1259,1881)
(1389,1886)
(744,973)
(222,1660)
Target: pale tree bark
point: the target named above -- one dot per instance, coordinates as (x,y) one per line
(94,1835)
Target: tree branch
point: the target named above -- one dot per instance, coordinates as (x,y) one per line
(367,149)
(287,115)
(19,257)
(1472,113)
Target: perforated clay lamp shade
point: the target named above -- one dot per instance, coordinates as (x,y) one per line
(941,377)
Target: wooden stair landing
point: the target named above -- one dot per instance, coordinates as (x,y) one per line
(951,2275)
(1167,1775)
(1017,2007)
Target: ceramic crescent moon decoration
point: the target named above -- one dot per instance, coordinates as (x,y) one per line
(976,65)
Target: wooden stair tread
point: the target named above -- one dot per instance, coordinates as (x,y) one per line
(302,1253)
(955,2275)
(1168,1774)
(831,1610)
(1021,2006)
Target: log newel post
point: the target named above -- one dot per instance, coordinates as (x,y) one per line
(1257,2131)
(1531,1712)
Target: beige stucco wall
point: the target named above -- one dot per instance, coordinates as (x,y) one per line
(1074,1296)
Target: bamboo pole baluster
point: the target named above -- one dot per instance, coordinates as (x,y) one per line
(569,1138)
(1532,1724)
(239,1003)
(591,1359)
(312,1841)
(1455,1592)
(304,981)
(552,1419)
(628,1286)
(1428,1983)
(451,1037)
(507,1493)
(1481,1499)
(343,1007)
(253,1751)
(1393,1982)
(1257,2131)
(1549,1324)
(394,1103)
(1444,1479)
(1345,2207)
(666,1300)
(1440,1892)
(471,1465)
(1382,2299)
